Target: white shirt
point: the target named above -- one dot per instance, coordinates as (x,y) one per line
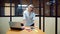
(29,18)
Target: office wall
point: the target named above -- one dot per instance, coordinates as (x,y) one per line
(4,24)
(42,23)
(58,25)
(50,25)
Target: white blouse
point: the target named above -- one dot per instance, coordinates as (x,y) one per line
(28,17)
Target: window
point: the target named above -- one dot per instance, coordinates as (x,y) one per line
(18,7)
(50,8)
(58,8)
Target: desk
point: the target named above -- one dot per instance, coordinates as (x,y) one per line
(25,32)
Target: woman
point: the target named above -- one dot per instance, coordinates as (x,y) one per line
(29,16)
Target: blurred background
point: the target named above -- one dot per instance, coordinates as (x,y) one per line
(47,14)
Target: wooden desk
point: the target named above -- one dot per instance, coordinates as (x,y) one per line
(25,32)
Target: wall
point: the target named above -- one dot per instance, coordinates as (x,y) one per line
(49,24)
(4,24)
(58,25)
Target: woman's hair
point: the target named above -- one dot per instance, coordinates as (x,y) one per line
(31,5)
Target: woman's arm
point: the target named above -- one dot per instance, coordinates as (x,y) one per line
(24,18)
(34,19)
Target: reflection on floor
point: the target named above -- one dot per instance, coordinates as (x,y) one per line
(36,31)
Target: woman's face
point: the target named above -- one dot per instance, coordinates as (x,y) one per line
(30,8)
